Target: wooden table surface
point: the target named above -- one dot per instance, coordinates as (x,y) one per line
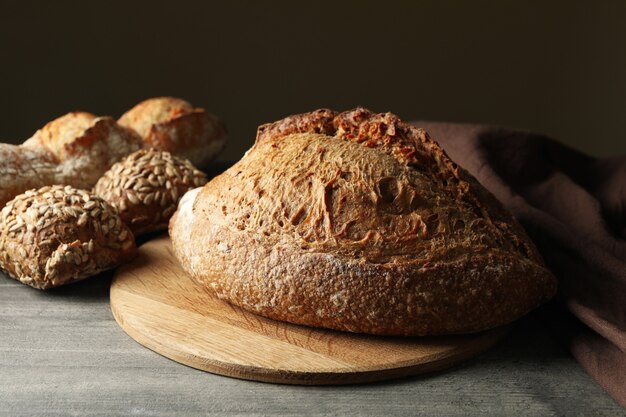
(62,354)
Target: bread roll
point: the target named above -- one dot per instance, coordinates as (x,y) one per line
(57,235)
(145,188)
(358,222)
(174,125)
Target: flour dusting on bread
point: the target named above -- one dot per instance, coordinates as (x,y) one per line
(357,221)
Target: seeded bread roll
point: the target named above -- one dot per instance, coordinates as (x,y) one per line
(57,235)
(145,188)
(174,125)
(358,222)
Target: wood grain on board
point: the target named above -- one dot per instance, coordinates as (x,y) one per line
(162,308)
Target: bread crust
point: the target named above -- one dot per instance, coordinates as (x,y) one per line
(74,149)
(359,222)
(174,125)
(145,188)
(23,168)
(56,235)
(78,148)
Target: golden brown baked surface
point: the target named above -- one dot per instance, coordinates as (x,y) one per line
(57,235)
(357,221)
(74,149)
(78,148)
(85,146)
(145,188)
(174,125)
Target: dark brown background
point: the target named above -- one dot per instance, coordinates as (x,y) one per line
(557,67)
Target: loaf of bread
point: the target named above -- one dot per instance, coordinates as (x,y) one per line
(174,125)
(57,235)
(75,149)
(78,148)
(358,222)
(145,188)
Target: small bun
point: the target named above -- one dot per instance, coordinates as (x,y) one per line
(174,125)
(57,235)
(146,186)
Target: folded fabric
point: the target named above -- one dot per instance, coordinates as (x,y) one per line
(574,208)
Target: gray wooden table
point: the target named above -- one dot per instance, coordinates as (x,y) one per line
(62,354)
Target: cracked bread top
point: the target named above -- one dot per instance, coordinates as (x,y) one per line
(397,194)
(357,221)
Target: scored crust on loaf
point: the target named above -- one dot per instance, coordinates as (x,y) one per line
(74,149)
(84,146)
(357,221)
(78,147)
(174,125)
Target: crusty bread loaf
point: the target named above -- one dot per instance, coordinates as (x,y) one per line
(57,235)
(75,149)
(78,148)
(358,222)
(174,125)
(145,188)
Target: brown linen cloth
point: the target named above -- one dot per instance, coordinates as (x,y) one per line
(574,208)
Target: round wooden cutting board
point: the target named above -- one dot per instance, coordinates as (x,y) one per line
(159,306)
